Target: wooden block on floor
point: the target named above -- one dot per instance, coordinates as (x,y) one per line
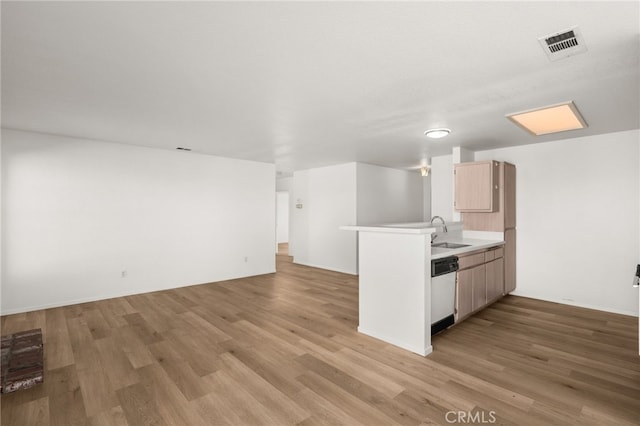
(22,360)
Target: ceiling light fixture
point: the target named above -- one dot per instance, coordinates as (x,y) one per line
(437,133)
(550,119)
(424,171)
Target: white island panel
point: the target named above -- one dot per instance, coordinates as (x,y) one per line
(394,289)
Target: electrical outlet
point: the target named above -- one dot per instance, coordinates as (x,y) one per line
(246,259)
(124,274)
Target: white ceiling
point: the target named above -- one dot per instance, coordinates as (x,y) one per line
(308,84)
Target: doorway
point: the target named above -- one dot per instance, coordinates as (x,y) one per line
(282,222)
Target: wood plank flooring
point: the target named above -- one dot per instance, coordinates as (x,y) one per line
(282,349)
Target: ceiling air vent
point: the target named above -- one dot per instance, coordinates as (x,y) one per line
(563,44)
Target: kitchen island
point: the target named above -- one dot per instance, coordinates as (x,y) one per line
(394,267)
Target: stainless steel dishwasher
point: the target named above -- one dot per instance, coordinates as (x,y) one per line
(443,293)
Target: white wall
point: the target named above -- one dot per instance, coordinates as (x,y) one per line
(1,223)
(298,217)
(284,184)
(386,195)
(442,187)
(459,155)
(578,214)
(328,199)
(426,198)
(282,217)
(76,213)
(347,194)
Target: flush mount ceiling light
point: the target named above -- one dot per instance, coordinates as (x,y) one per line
(437,133)
(551,119)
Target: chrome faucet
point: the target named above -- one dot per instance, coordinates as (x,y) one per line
(444,225)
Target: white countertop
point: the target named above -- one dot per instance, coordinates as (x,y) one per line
(395,228)
(455,235)
(473,245)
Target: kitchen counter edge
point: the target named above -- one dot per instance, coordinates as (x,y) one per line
(473,245)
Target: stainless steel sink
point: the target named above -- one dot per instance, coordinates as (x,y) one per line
(449,245)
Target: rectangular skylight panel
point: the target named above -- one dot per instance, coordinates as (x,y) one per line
(551,119)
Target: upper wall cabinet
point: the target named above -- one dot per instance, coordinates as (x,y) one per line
(476,186)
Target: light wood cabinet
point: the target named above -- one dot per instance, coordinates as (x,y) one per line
(476,186)
(503,219)
(509,260)
(479,281)
(479,287)
(495,279)
(464,294)
(470,260)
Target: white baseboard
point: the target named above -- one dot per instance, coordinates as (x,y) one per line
(577,304)
(61,303)
(404,345)
(324,267)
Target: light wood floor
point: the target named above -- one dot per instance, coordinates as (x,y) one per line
(282,349)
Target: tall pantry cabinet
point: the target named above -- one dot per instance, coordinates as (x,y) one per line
(486,198)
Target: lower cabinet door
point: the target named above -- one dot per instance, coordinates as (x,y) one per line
(495,279)
(509,260)
(479,287)
(464,293)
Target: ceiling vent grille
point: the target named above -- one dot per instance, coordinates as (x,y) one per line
(563,44)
